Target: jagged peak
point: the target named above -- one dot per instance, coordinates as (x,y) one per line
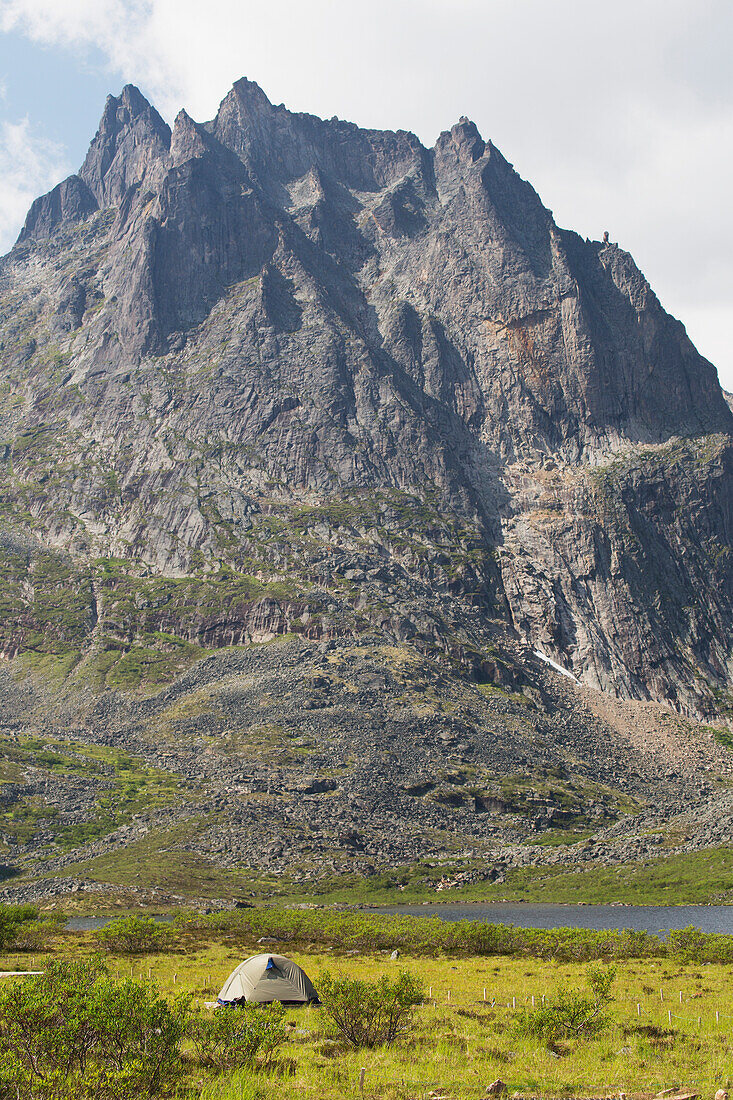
(454,154)
(249,90)
(244,102)
(245,107)
(282,145)
(132,98)
(69,201)
(464,138)
(108,175)
(124,109)
(189,139)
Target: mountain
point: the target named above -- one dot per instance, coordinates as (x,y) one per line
(277,382)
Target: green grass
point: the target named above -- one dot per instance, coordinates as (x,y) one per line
(157,860)
(148,665)
(461,1042)
(130,787)
(556,838)
(689,878)
(723,738)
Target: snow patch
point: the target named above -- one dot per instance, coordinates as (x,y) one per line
(553,664)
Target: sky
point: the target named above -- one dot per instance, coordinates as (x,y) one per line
(619,113)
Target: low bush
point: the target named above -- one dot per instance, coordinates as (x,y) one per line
(419,936)
(135,936)
(137,1032)
(571,1014)
(73,1031)
(428,936)
(12,920)
(35,935)
(234,1037)
(690,945)
(370,1014)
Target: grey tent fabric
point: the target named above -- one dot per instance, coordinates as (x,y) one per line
(265,978)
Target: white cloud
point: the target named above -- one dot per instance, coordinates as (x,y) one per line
(620,114)
(130,33)
(29,166)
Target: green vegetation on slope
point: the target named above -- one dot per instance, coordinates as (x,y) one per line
(160,860)
(123,786)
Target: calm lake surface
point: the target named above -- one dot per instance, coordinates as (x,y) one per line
(653,918)
(87,924)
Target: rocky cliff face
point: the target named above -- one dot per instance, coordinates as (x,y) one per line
(273,374)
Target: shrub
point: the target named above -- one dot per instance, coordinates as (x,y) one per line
(137,1032)
(367,1014)
(571,1014)
(690,945)
(33,935)
(135,936)
(433,936)
(73,1031)
(237,1036)
(427,936)
(12,918)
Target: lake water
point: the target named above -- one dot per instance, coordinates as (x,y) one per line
(87,924)
(653,918)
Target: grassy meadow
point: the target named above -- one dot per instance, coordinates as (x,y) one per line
(663,1029)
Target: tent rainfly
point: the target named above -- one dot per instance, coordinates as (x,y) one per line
(262,979)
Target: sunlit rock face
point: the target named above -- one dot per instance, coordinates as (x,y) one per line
(273,374)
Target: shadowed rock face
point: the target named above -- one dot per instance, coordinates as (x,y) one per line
(291,349)
(70,201)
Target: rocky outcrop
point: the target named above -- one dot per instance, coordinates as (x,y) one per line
(272,350)
(130,149)
(352,756)
(69,202)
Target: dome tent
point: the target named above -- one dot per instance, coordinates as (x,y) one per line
(262,979)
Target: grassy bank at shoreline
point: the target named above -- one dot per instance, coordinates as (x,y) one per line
(689,878)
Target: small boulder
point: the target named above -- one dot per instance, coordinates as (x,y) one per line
(721,1094)
(395,955)
(496,1088)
